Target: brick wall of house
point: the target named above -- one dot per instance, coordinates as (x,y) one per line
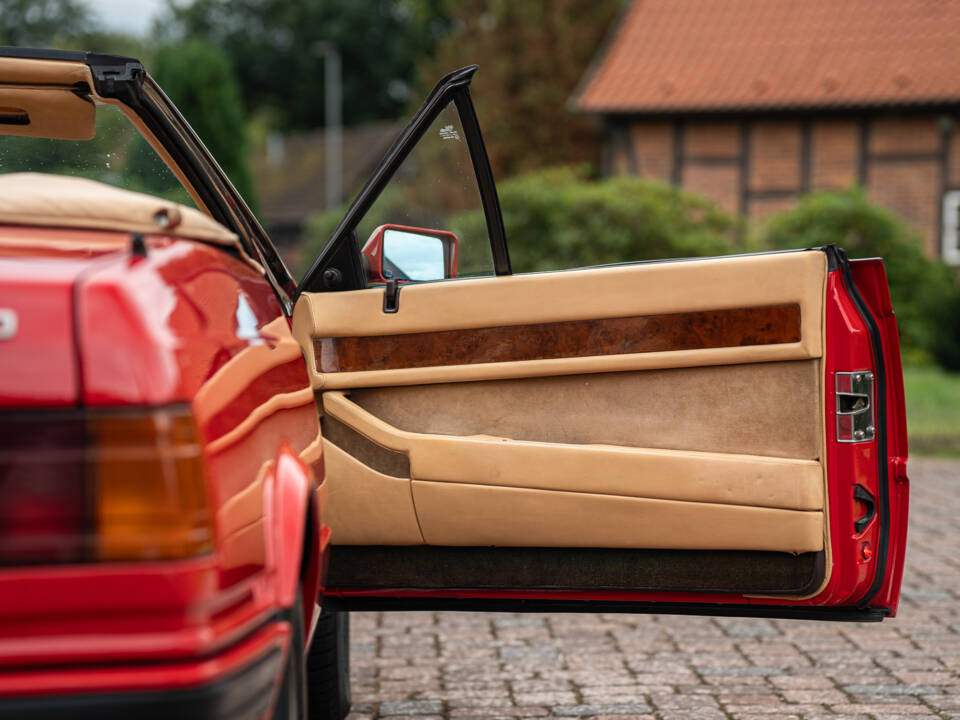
(760,165)
(834,153)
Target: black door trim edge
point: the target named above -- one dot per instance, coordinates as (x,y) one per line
(434,604)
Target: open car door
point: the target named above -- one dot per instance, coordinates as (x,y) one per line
(714,436)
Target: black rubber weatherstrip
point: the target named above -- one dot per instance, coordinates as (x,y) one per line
(43,54)
(485,182)
(880,396)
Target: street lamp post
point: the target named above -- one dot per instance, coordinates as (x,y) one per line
(333,121)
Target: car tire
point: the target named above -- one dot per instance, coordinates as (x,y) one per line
(292,699)
(328,667)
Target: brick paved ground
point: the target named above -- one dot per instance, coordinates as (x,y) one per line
(623,667)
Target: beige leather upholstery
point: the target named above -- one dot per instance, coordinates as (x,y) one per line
(615,291)
(606,469)
(53,113)
(558,367)
(365,507)
(739,498)
(758,409)
(28,71)
(472,515)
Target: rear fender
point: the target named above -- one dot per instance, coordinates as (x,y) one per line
(290,502)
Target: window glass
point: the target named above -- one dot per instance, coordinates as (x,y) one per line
(117,155)
(435,188)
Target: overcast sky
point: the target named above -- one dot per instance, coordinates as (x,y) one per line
(132,16)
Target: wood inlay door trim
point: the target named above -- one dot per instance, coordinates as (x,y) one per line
(548,341)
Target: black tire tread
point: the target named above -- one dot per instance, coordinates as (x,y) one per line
(328,667)
(284,708)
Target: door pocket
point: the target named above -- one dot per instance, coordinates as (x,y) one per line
(479,490)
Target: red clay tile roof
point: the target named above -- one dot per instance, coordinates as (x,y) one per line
(716,55)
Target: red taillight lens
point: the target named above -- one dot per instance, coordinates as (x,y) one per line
(121,485)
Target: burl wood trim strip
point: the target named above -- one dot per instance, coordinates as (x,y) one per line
(550,341)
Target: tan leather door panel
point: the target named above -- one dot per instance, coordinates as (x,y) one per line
(663,405)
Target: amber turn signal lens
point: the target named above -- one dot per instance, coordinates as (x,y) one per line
(148,480)
(102,485)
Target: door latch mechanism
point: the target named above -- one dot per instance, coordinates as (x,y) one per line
(860,493)
(856,421)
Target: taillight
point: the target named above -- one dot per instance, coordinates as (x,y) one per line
(102,486)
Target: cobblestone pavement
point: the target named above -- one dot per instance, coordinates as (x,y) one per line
(626,667)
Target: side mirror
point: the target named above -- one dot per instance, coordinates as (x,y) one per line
(410,254)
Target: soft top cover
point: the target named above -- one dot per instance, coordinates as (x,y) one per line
(62,201)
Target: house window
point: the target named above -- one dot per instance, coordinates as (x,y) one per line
(950,237)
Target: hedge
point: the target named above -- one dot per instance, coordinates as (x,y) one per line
(924,292)
(559,218)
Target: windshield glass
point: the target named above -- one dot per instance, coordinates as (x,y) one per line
(117,155)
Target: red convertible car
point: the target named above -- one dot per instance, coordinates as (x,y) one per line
(198,453)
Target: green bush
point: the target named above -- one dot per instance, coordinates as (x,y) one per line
(198,78)
(558,218)
(924,292)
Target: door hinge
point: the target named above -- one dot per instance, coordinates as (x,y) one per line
(855,414)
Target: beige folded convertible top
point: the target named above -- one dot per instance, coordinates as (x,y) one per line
(72,202)
(62,201)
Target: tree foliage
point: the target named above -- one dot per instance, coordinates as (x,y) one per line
(273,47)
(199,80)
(64,25)
(42,23)
(531,54)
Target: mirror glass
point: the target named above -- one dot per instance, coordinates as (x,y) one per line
(411,256)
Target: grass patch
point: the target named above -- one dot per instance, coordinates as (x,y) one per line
(933,410)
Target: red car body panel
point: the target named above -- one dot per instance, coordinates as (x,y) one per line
(183,324)
(149,676)
(41,293)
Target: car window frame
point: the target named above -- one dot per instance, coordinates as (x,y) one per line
(339,265)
